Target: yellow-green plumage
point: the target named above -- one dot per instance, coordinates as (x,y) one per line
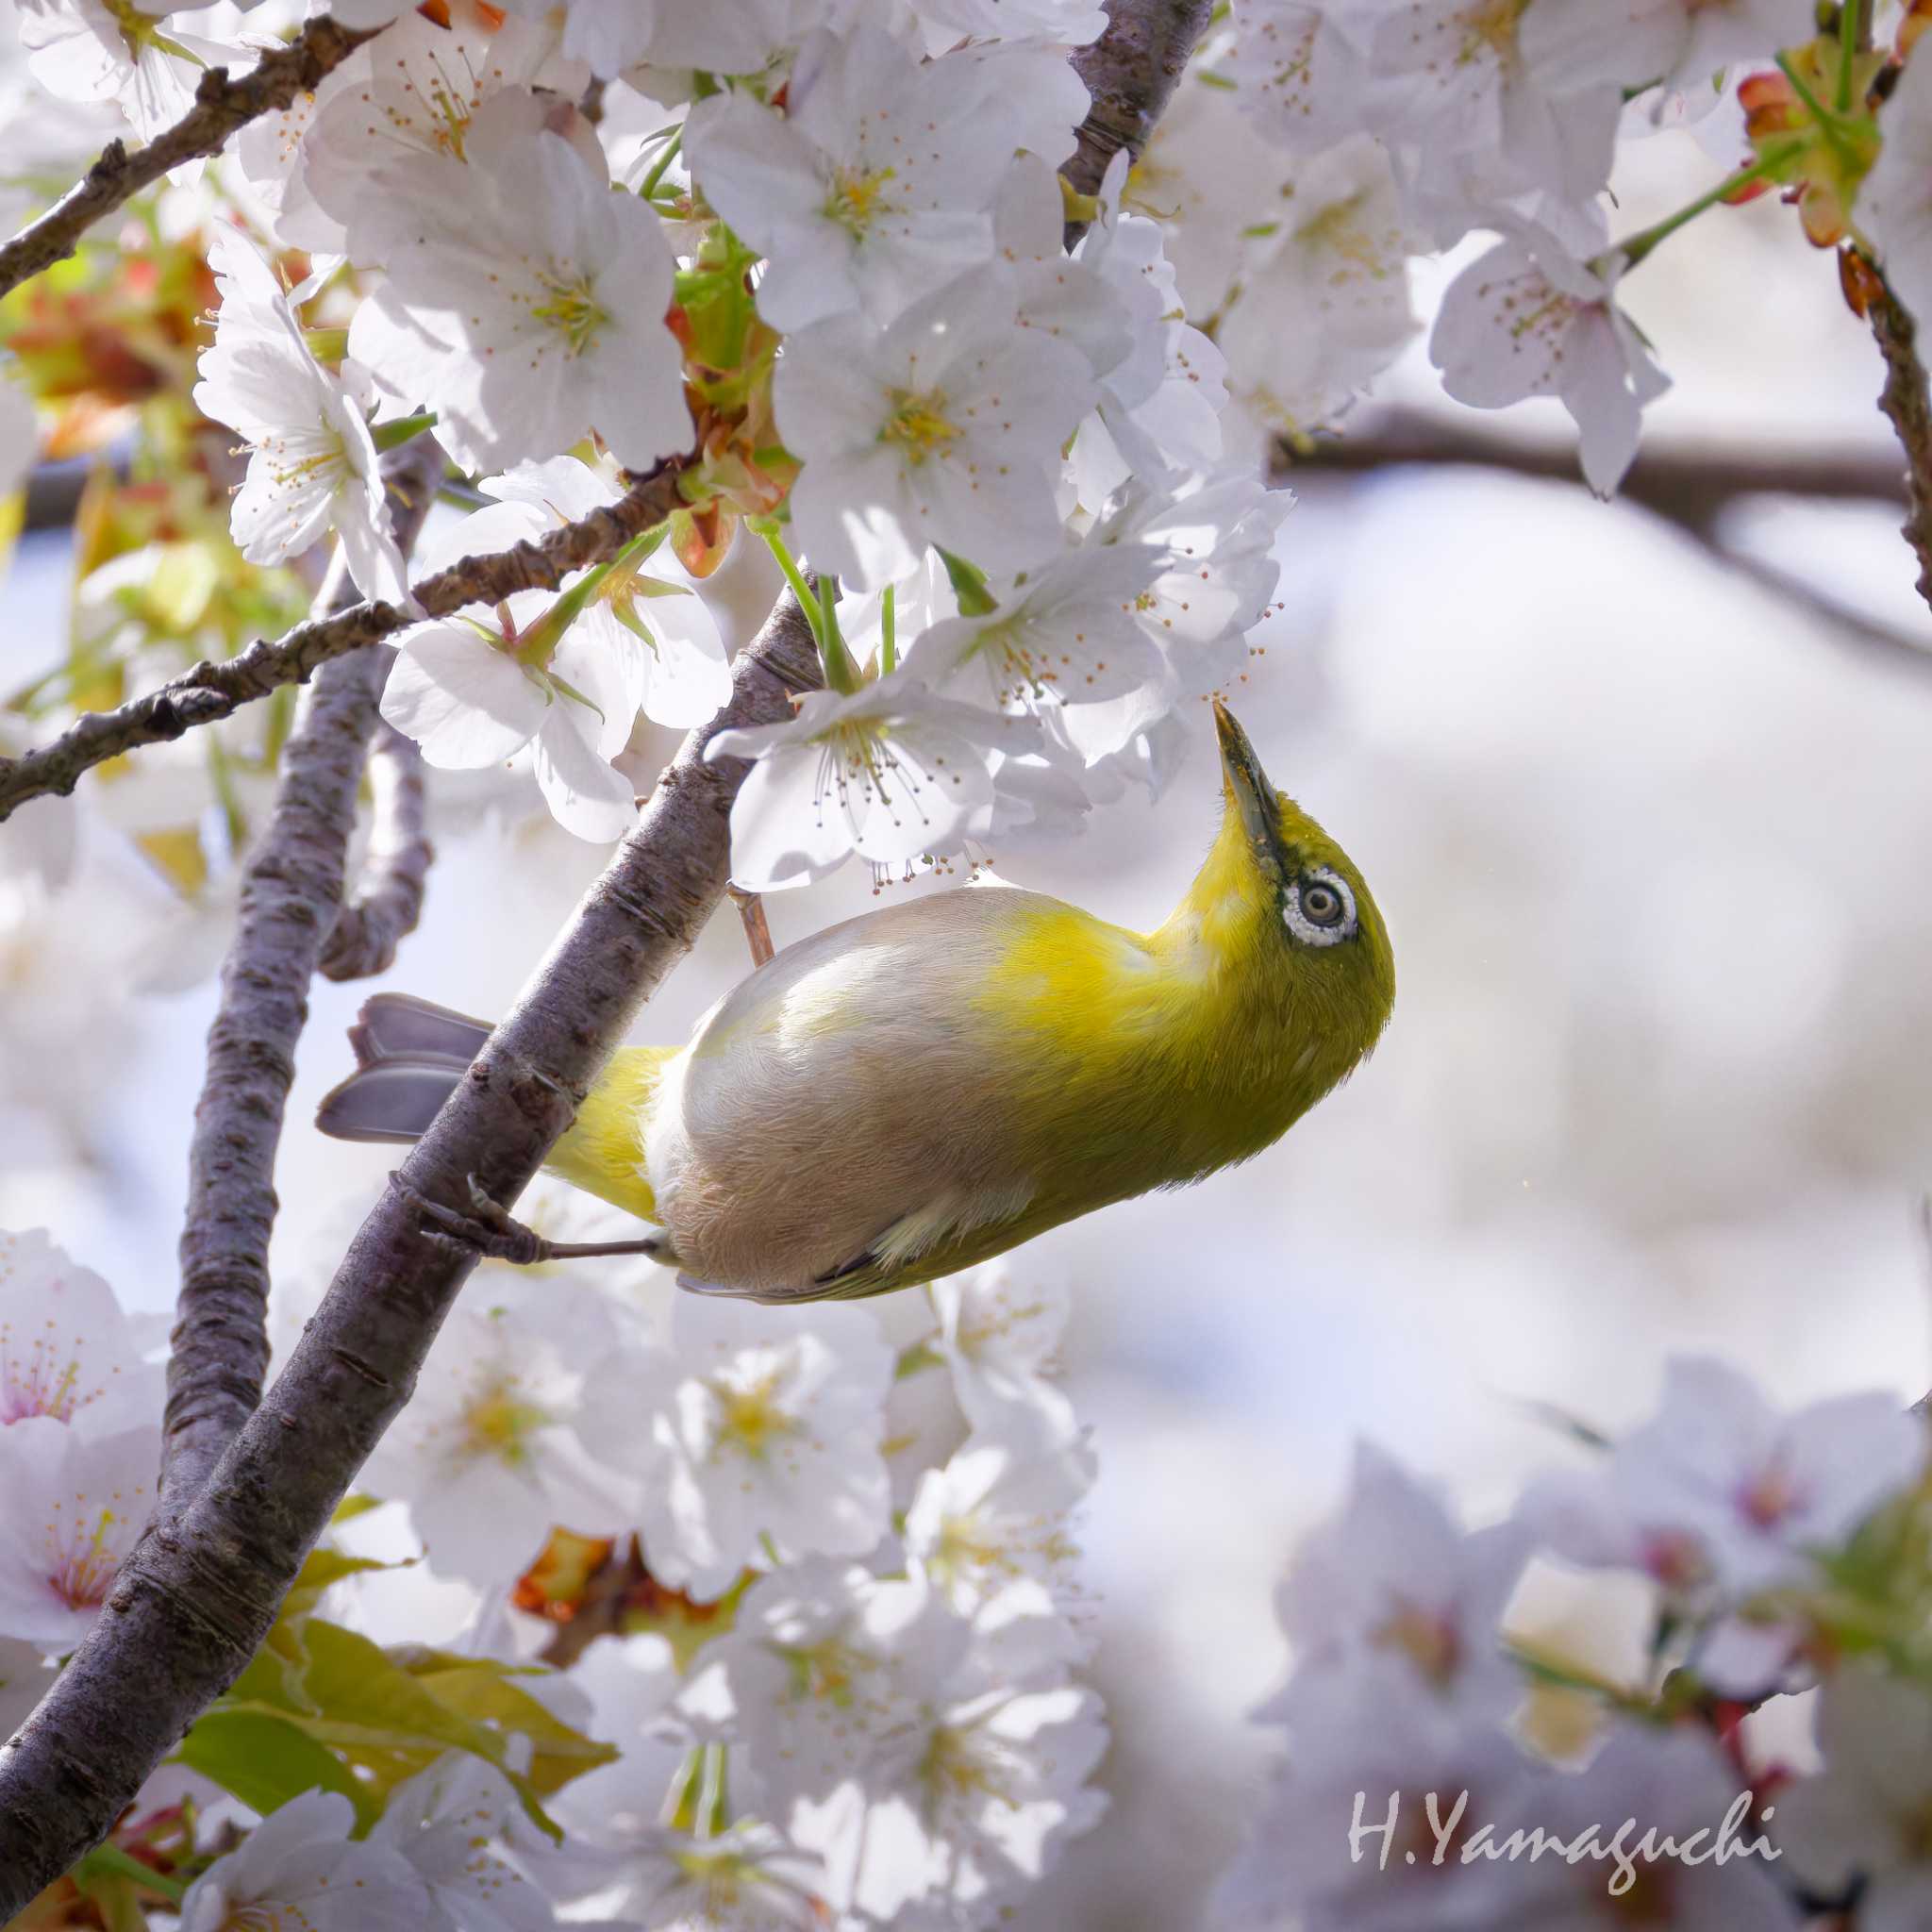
(917,1089)
(912,1091)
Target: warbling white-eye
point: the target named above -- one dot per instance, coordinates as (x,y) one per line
(914,1091)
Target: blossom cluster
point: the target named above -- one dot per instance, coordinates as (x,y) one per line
(1396,130)
(817,259)
(815,253)
(776,1615)
(1567,1717)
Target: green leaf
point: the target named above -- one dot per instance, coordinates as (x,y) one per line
(265,1760)
(481,1689)
(394,1715)
(275,1674)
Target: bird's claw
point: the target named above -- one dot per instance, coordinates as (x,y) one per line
(489,1229)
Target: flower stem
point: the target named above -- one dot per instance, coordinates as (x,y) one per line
(821,613)
(110,1861)
(649,184)
(538,644)
(889,639)
(1802,89)
(1848,36)
(1637,246)
(714,1804)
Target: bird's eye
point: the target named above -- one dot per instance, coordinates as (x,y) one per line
(1319,909)
(1322,905)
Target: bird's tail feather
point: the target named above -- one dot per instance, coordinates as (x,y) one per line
(411,1057)
(397,1025)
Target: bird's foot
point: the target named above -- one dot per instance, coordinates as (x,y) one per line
(489,1229)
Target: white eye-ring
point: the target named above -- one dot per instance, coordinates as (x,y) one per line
(1319,909)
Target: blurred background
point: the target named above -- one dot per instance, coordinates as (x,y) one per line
(1651,832)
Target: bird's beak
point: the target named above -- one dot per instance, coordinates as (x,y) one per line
(1248,789)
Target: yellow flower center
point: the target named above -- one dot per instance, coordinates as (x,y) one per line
(1430,1643)
(571,310)
(80,1579)
(919,424)
(858,197)
(1490,27)
(750,1415)
(499,1423)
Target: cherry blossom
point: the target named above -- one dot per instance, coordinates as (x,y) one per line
(420,97)
(990,1529)
(66,1350)
(991,1782)
(1761,1494)
(892,772)
(496,1446)
(1680,42)
(944,427)
(999,1334)
(313,465)
(1301,70)
(878,180)
(1862,1818)
(683,670)
(459,1825)
(1336,258)
(1528,319)
(631,1683)
(747,1879)
(1218,531)
(1068,634)
(821,1679)
(76,1503)
(473,693)
(1395,1587)
(754,1436)
(1158,407)
(146,56)
(526,297)
(300,1867)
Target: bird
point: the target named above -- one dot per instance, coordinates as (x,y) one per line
(918,1090)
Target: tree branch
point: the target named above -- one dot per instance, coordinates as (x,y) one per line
(209,692)
(388,899)
(1907,401)
(222,105)
(198,1594)
(200,1590)
(292,886)
(1689,485)
(1131,71)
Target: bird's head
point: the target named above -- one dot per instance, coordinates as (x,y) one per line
(1280,908)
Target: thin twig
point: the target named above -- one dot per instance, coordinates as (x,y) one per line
(388,900)
(196,1595)
(757,928)
(209,692)
(222,105)
(1907,401)
(292,886)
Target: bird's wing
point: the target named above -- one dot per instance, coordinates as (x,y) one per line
(948,1233)
(852,1110)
